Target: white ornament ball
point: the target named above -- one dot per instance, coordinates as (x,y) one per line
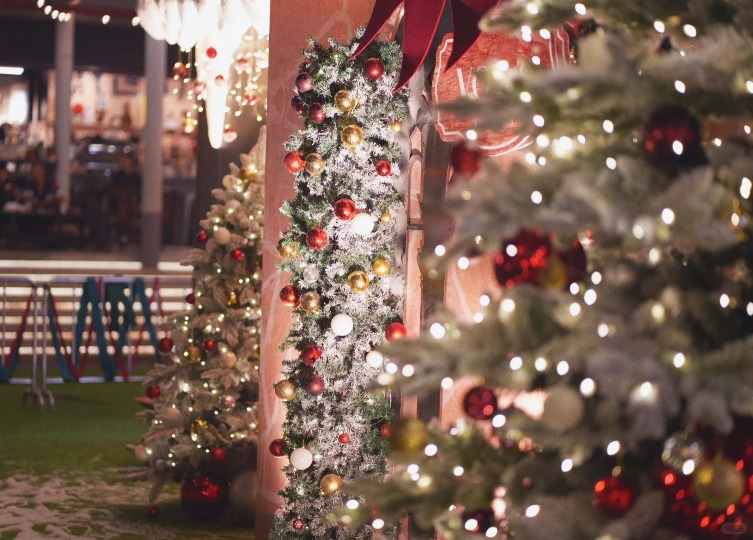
(375,359)
(362,224)
(243,496)
(563,409)
(311,274)
(341,324)
(301,458)
(228,359)
(171,416)
(222,236)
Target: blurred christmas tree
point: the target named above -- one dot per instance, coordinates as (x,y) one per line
(344,252)
(202,426)
(621,246)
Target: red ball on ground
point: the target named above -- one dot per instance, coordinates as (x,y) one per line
(614,494)
(217,454)
(152,512)
(374,68)
(383,167)
(464,159)
(395,330)
(211,52)
(316,113)
(315,385)
(344,438)
(345,209)
(480,403)
(290,296)
(303,82)
(209,345)
(165,345)
(205,497)
(202,237)
(310,354)
(153,392)
(294,162)
(275,448)
(190,298)
(316,238)
(237,254)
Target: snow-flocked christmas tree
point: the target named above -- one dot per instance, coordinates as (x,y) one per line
(622,250)
(344,251)
(202,426)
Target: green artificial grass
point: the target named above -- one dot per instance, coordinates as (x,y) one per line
(59,470)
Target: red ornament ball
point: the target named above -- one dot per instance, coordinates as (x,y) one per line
(345,209)
(464,159)
(190,298)
(152,512)
(211,52)
(165,345)
(395,330)
(480,403)
(311,353)
(153,392)
(522,258)
(303,82)
(209,345)
(237,254)
(478,521)
(298,524)
(276,448)
(315,385)
(344,438)
(202,237)
(217,454)
(316,113)
(383,167)
(614,494)
(180,70)
(316,238)
(672,139)
(297,104)
(294,162)
(205,497)
(385,430)
(199,87)
(290,296)
(374,68)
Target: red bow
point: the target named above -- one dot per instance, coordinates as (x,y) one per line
(421,19)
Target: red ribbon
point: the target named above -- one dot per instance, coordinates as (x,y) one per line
(420,23)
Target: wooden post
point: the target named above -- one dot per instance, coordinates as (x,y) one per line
(291,23)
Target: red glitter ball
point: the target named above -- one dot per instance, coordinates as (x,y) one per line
(290,296)
(165,345)
(237,254)
(613,494)
(345,209)
(316,238)
(395,330)
(383,167)
(374,68)
(344,438)
(480,403)
(667,125)
(310,354)
(190,298)
(294,162)
(153,392)
(275,448)
(211,52)
(209,345)
(522,258)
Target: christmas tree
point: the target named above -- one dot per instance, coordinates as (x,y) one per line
(343,250)
(612,360)
(202,422)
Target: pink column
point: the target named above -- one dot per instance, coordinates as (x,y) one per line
(292,22)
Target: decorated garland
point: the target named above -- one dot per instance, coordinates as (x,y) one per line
(344,250)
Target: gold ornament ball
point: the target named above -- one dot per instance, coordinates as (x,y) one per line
(396,126)
(193,353)
(351,136)
(232,299)
(330,483)
(198,425)
(314,164)
(381,267)
(287,249)
(554,276)
(409,435)
(719,483)
(310,301)
(285,390)
(358,281)
(344,102)
(386,217)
